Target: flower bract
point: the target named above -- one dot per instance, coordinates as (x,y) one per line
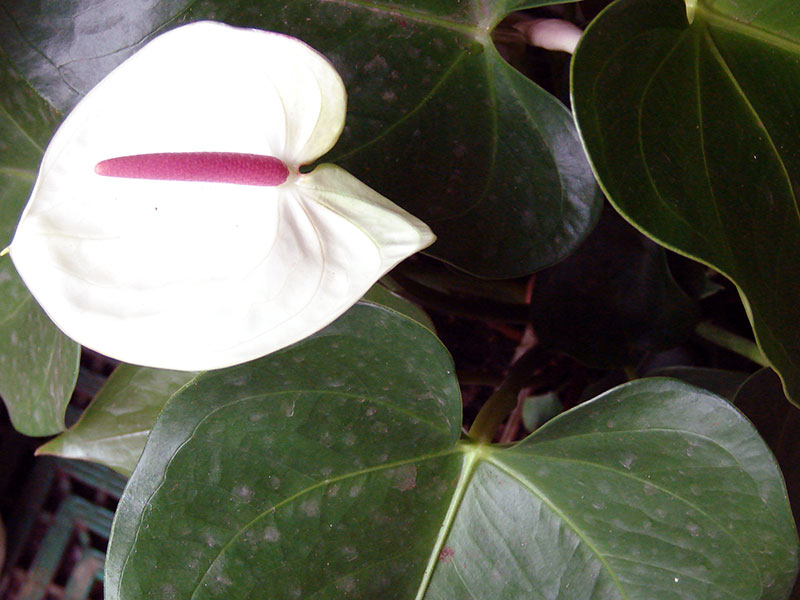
(152,237)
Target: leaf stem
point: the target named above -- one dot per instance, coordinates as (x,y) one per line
(730,341)
(505,398)
(472,456)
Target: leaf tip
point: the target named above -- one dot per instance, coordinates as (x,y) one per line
(691,8)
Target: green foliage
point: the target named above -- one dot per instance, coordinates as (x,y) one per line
(113,429)
(693,134)
(339,467)
(38,364)
(333,470)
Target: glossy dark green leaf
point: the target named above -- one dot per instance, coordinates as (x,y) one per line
(694,132)
(761,399)
(38,364)
(638,494)
(437,121)
(114,427)
(612,300)
(378,294)
(443,278)
(333,469)
(718,381)
(351,432)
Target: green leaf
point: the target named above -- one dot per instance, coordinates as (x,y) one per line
(438,122)
(537,410)
(114,427)
(718,381)
(613,300)
(332,469)
(357,423)
(693,132)
(635,495)
(38,364)
(378,294)
(761,399)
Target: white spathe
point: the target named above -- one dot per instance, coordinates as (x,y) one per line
(192,275)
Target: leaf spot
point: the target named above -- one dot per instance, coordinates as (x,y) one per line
(406,478)
(310,508)
(446,555)
(271,534)
(243,492)
(378,62)
(347,584)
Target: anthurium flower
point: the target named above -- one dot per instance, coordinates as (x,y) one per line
(170,225)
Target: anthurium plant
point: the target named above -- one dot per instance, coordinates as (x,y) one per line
(228,199)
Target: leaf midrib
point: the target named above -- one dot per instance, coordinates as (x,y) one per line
(26,175)
(526,481)
(21,129)
(272,509)
(471,460)
(729,23)
(530,486)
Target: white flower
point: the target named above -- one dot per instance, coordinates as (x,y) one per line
(219,263)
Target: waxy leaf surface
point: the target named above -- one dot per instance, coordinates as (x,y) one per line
(694,133)
(378,294)
(778,422)
(113,429)
(333,469)
(437,121)
(38,364)
(717,381)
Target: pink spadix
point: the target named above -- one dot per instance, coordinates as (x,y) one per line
(216,167)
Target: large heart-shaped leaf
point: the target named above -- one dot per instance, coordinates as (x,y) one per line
(437,121)
(694,132)
(38,364)
(332,470)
